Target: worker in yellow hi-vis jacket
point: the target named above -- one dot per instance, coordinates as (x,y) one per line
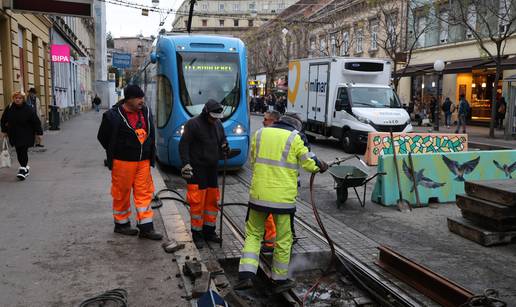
(276,153)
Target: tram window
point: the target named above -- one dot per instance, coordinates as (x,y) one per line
(204,76)
(164,100)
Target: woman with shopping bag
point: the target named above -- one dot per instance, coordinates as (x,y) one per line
(20,124)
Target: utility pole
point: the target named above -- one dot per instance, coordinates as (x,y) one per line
(190,16)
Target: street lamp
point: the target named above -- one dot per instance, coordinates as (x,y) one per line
(438,67)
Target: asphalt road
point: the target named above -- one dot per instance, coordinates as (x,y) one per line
(421,235)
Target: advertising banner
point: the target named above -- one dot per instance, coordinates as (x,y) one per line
(60,53)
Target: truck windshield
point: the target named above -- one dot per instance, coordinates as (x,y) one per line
(204,76)
(374,97)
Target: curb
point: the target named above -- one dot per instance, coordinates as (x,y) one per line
(486,146)
(175,228)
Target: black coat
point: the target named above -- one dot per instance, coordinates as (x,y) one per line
(201,142)
(21,123)
(120,140)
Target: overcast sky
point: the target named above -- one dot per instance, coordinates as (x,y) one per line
(125,21)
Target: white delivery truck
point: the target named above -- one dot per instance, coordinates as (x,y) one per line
(345,98)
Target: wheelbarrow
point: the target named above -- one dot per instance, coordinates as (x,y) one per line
(348,176)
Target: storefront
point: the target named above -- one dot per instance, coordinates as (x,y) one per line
(473,78)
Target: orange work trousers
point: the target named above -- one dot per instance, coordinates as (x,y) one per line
(203,207)
(270,232)
(135,176)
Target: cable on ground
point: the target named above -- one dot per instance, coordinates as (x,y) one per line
(117,296)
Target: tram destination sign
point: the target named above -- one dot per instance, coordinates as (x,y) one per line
(121,60)
(79,8)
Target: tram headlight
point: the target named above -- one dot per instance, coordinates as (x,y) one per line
(238,130)
(180,131)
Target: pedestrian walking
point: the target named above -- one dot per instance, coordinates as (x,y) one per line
(501,107)
(127,134)
(201,146)
(96,102)
(276,152)
(464,110)
(21,125)
(448,108)
(33,102)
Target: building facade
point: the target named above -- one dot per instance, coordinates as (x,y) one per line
(229,17)
(138,46)
(25,58)
(73,82)
(469,71)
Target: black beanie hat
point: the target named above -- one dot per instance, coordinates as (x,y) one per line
(133,91)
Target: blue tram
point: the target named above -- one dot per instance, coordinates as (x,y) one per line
(183,73)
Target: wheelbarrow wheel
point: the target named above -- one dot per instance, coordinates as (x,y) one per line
(342,196)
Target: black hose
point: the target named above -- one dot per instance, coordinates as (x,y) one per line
(158,199)
(118,296)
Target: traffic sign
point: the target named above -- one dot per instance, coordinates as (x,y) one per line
(121,60)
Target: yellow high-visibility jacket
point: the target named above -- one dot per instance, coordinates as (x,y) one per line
(276,155)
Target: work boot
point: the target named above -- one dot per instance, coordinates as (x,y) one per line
(198,239)
(147,232)
(244,284)
(212,237)
(126,229)
(283,285)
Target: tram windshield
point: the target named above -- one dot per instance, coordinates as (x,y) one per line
(204,76)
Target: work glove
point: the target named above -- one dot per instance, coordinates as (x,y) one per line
(225,148)
(187,171)
(323,167)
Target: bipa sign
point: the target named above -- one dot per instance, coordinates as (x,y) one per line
(60,53)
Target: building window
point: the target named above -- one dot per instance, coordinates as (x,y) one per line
(443,28)
(235,22)
(312,46)
(221,7)
(205,22)
(221,22)
(265,6)
(322,45)
(236,7)
(252,6)
(186,23)
(204,6)
(250,23)
(333,45)
(345,43)
(472,21)
(281,6)
(374,35)
(420,30)
(391,30)
(359,40)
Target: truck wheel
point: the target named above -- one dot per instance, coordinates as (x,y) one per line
(347,143)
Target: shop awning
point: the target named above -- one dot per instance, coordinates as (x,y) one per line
(465,65)
(415,70)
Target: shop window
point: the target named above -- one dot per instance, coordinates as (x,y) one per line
(164,100)
(221,22)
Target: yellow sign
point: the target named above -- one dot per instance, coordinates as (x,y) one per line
(254,82)
(208,68)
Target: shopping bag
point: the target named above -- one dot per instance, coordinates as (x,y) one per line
(5,156)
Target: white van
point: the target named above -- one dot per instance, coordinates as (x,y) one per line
(345,98)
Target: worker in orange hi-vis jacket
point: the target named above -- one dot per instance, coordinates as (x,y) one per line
(127,135)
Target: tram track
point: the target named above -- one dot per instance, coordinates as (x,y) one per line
(385,293)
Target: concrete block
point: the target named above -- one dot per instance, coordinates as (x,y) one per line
(192,269)
(201,285)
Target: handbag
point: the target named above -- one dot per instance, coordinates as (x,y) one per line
(5,156)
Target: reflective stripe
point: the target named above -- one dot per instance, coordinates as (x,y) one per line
(197,228)
(270,204)
(122,212)
(277,163)
(145,220)
(210,223)
(124,221)
(196,217)
(307,156)
(290,139)
(278,276)
(258,141)
(214,213)
(250,256)
(279,265)
(246,267)
(143,209)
